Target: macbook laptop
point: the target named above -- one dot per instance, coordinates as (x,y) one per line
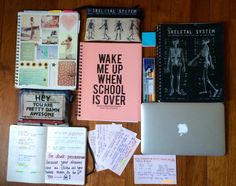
(183,128)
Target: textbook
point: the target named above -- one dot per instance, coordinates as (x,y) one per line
(109,82)
(46,50)
(40,154)
(191,62)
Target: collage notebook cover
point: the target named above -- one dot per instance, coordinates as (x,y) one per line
(109,82)
(191,62)
(46,51)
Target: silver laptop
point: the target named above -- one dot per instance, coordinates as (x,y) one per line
(183,128)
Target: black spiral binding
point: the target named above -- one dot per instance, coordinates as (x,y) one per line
(79,91)
(159,96)
(18,49)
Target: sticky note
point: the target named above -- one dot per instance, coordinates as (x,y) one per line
(149,39)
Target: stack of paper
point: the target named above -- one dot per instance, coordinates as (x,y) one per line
(112,146)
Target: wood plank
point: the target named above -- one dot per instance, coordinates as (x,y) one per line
(217,167)
(231,103)
(200,11)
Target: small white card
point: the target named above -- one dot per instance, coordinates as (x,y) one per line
(155,169)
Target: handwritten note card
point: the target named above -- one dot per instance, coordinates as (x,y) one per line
(155,169)
(92,142)
(115,156)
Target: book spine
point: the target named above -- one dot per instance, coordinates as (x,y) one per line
(79,91)
(159,74)
(18,35)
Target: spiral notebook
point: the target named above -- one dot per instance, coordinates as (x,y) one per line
(191,62)
(109,82)
(46,52)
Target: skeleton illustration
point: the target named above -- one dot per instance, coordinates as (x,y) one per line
(90,29)
(175,65)
(105,28)
(118,29)
(207,61)
(132,29)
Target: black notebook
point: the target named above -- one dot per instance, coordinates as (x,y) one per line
(191,62)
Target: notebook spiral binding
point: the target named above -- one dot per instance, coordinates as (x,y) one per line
(159,96)
(79,91)
(18,49)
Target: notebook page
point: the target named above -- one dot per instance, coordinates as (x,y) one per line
(65,155)
(26,154)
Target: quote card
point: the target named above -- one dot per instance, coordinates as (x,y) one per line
(155,169)
(43,105)
(66,155)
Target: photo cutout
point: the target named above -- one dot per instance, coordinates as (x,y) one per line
(49,36)
(46,52)
(50,21)
(68,47)
(30,27)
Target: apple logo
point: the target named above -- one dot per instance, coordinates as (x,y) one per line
(182,128)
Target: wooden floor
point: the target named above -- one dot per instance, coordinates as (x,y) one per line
(210,171)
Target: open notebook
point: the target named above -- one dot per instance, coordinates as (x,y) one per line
(46,52)
(47,154)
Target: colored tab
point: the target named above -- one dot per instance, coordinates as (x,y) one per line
(68,11)
(55,11)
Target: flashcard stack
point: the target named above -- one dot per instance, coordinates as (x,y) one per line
(112,146)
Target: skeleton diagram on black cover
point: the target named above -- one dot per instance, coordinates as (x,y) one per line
(175,65)
(118,29)
(132,29)
(90,29)
(207,61)
(105,30)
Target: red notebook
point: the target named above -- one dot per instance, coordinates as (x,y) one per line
(109,82)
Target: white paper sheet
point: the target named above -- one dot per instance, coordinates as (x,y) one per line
(26,154)
(66,155)
(119,150)
(118,165)
(155,169)
(92,142)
